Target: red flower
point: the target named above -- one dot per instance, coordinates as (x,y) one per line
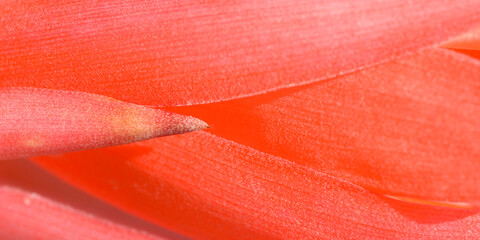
(328,119)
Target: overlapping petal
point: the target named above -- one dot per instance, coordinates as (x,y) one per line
(381,152)
(408,127)
(166,53)
(405,130)
(210,188)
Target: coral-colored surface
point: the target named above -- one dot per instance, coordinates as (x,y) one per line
(329,119)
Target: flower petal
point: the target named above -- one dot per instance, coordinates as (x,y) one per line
(25,215)
(166,53)
(468,43)
(469,40)
(470,52)
(39,188)
(209,188)
(40,122)
(409,127)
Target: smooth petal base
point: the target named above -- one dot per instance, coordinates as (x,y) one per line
(209,188)
(170,53)
(37,122)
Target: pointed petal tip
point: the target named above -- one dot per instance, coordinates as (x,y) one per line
(66,121)
(466,41)
(171,124)
(192,124)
